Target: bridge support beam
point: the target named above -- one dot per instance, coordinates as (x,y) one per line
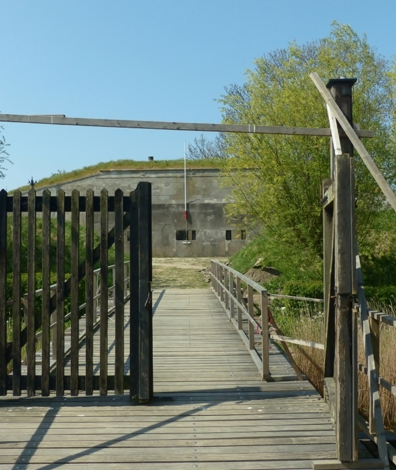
(345,369)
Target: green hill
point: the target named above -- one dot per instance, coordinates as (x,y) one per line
(64,176)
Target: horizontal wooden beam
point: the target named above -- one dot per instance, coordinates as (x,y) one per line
(300,342)
(62,120)
(388,319)
(54,203)
(66,382)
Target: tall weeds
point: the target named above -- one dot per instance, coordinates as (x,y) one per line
(302,323)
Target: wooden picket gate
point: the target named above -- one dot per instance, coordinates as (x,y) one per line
(23,321)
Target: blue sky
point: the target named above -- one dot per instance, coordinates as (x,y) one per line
(158,60)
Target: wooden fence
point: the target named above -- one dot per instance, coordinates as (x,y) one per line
(49,320)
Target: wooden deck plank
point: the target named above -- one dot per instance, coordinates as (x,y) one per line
(211,408)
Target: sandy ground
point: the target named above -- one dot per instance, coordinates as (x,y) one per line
(181,272)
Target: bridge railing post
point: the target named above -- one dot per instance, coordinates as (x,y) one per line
(265,335)
(231,289)
(222,279)
(251,314)
(375,339)
(239,298)
(344,235)
(226,290)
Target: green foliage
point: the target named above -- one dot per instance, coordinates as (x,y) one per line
(378,253)
(53,260)
(311,289)
(278,178)
(52,247)
(248,255)
(293,264)
(385,295)
(38,285)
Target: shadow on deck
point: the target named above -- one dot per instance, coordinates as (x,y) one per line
(211,409)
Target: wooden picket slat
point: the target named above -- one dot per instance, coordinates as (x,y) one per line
(46,294)
(134,301)
(74,291)
(31,313)
(89,290)
(104,292)
(3,292)
(16,294)
(119,293)
(60,294)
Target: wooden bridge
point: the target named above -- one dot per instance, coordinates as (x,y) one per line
(213,390)
(211,408)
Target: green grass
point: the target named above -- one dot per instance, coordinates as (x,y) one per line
(294,265)
(63,176)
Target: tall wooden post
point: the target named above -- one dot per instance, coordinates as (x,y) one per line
(141,329)
(345,348)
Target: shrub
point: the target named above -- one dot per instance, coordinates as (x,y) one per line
(38,299)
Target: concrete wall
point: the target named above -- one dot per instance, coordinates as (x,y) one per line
(206,199)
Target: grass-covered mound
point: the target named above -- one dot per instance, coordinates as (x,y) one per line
(63,176)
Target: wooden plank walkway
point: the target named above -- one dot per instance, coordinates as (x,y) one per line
(211,409)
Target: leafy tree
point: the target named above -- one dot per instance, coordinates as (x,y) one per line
(3,154)
(278,178)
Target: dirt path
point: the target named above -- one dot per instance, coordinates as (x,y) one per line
(182,272)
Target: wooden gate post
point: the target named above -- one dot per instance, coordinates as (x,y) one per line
(346,335)
(141,328)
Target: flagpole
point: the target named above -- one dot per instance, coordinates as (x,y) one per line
(185,185)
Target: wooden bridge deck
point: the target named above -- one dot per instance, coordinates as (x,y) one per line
(211,409)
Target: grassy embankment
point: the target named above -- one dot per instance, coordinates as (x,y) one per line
(64,176)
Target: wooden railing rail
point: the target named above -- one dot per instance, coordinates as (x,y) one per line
(282,296)
(228,285)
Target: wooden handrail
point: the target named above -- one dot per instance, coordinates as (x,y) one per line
(282,296)
(300,342)
(383,317)
(226,283)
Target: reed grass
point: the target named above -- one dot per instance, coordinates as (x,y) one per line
(302,324)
